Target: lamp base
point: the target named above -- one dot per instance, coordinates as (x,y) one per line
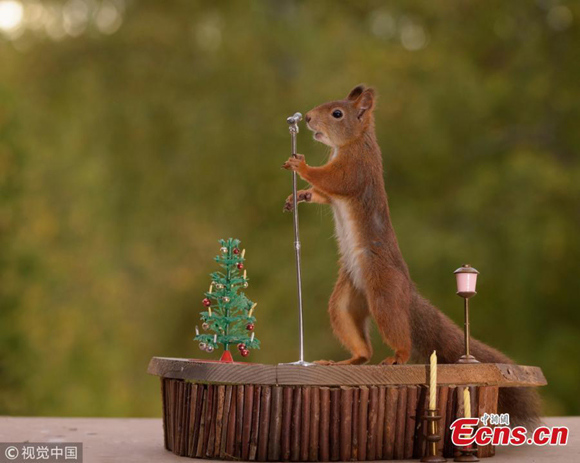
(467,359)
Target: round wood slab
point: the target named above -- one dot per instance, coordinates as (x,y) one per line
(485,374)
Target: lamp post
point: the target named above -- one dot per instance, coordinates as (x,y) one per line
(466,277)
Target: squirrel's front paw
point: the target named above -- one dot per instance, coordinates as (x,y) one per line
(302,196)
(294,163)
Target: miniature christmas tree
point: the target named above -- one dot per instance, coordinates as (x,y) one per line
(229,312)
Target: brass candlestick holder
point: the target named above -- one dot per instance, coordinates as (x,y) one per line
(433,436)
(466,280)
(466,454)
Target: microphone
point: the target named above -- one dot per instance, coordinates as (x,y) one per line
(292,120)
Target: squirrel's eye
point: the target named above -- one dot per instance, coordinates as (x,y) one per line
(337,113)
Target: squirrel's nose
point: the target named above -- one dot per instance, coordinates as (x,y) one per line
(307,118)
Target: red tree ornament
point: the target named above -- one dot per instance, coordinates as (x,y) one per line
(250,327)
(236,251)
(240,266)
(245,352)
(206,302)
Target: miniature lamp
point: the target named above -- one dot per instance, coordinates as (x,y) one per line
(466,281)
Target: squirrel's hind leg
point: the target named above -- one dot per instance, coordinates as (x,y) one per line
(388,299)
(349,317)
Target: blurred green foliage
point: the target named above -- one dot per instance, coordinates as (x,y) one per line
(132,141)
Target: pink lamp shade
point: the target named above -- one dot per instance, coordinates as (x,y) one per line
(466,280)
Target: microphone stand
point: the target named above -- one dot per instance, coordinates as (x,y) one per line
(293,127)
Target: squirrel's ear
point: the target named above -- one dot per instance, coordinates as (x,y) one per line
(355,92)
(365,102)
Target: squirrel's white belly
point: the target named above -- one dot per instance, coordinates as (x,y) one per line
(348,241)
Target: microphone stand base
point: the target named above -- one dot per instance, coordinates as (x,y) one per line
(301,363)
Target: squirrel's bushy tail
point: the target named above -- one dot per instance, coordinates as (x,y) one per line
(433,330)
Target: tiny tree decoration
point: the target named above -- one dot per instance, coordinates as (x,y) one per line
(229,313)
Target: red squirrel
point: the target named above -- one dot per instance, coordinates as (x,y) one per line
(374,279)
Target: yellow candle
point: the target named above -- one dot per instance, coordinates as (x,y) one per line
(243,253)
(467,402)
(433,382)
(244,274)
(252,309)
(210,288)
(209,311)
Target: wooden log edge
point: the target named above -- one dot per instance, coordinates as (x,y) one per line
(310,423)
(481,374)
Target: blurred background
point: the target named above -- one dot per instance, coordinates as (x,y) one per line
(134,134)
